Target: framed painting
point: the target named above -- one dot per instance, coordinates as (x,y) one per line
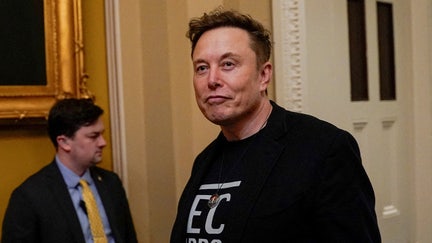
(41,50)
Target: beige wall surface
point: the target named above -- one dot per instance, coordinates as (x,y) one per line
(24,150)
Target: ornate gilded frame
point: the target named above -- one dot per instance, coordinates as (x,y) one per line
(64,67)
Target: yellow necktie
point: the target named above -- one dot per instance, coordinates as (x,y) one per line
(96,225)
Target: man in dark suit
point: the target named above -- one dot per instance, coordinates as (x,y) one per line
(271,175)
(49,206)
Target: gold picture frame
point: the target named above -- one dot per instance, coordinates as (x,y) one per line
(64,65)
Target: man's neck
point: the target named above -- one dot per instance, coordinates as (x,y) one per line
(249,127)
(65,160)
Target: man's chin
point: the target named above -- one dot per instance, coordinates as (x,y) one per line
(220,120)
(97,161)
(216,118)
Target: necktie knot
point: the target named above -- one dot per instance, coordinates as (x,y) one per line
(83,182)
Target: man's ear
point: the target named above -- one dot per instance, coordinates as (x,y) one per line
(266,74)
(63,142)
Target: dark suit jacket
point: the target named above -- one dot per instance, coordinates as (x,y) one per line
(305,183)
(41,209)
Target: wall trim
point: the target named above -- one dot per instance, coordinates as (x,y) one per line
(115,87)
(288,46)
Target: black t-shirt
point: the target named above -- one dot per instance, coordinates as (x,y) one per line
(206,224)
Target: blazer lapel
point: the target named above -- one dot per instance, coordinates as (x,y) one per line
(107,202)
(60,192)
(260,162)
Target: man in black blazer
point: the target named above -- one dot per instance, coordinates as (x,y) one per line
(271,175)
(48,206)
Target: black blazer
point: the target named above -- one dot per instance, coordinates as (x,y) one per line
(305,183)
(41,209)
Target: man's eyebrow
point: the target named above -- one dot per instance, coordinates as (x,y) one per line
(225,55)
(200,60)
(96,132)
(229,54)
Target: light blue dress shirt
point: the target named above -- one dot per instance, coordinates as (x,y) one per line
(72,182)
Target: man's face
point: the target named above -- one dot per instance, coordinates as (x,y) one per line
(87,144)
(228,84)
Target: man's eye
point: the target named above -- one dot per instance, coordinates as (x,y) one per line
(201,68)
(94,136)
(228,65)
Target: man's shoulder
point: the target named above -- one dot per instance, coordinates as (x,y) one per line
(102,171)
(100,174)
(37,184)
(40,175)
(298,122)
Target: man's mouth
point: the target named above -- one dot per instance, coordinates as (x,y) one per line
(216,99)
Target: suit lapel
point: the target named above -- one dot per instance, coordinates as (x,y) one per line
(58,187)
(107,201)
(260,160)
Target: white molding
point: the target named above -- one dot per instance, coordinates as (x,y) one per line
(288,41)
(115,87)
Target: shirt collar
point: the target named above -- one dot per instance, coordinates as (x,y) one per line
(70,177)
